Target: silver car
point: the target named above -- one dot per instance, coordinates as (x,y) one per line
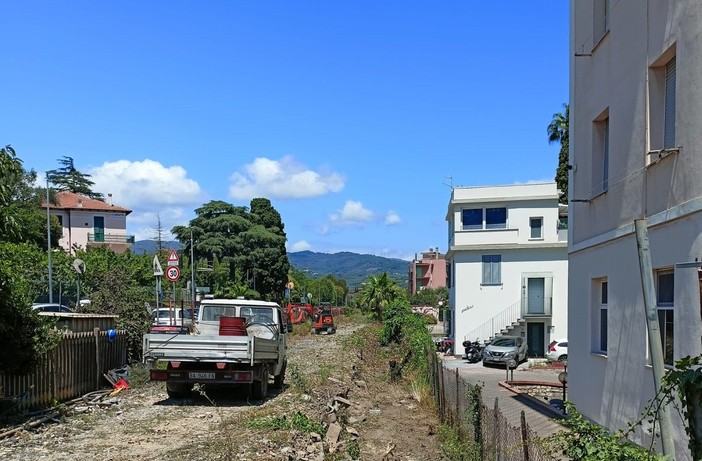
(505,348)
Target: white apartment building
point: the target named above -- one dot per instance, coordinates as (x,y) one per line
(635,153)
(508,264)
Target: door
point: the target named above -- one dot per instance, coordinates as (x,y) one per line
(535,296)
(99,228)
(535,339)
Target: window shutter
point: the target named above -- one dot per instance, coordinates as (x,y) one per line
(669,119)
(496,270)
(486,269)
(605,155)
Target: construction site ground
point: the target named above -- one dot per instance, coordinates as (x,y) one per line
(337,384)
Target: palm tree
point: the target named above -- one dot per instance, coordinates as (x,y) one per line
(379,292)
(558,131)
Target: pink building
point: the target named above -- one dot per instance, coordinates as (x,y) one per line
(89,222)
(428,272)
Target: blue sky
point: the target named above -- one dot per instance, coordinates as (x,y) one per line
(348,115)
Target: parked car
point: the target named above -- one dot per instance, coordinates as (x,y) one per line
(50,307)
(162,316)
(558,350)
(505,348)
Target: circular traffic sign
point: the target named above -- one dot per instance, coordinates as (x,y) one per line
(290,285)
(173,273)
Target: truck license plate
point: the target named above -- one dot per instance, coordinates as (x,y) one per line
(194,375)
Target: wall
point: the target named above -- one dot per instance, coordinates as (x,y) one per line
(475,304)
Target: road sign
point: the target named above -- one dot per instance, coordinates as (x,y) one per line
(290,285)
(173,273)
(158,270)
(173,259)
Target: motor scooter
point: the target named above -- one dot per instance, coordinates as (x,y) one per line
(474,352)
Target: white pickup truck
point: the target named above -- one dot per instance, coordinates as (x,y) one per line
(207,357)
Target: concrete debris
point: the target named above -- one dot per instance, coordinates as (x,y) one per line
(343,401)
(315,437)
(352,431)
(357,419)
(334,380)
(360,383)
(332,438)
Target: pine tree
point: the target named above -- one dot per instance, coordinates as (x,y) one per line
(68,178)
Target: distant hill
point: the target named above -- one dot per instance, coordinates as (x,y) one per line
(352,267)
(151,246)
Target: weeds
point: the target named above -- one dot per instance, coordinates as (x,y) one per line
(453,446)
(297,380)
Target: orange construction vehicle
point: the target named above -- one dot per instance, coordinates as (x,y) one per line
(298,313)
(323,321)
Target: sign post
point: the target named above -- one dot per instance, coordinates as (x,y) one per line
(158,272)
(173,274)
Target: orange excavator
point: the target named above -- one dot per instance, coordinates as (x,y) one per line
(298,313)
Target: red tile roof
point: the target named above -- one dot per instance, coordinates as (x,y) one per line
(70,201)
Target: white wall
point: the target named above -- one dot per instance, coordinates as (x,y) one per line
(475,304)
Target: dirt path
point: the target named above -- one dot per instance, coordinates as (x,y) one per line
(383,422)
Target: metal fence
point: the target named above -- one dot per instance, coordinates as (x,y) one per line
(491,435)
(71,369)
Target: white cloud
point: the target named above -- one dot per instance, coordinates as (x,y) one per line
(144,224)
(282,179)
(392,218)
(352,214)
(146,185)
(302,245)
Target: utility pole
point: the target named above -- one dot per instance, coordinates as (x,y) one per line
(654,335)
(192,273)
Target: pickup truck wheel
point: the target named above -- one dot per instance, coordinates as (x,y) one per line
(279,380)
(259,388)
(178,390)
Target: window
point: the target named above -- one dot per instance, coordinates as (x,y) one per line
(665,288)
(603,315)
(600,155)
(669,114)
(662,103)
(492,270)
(537,228)
(496,218)
(601,19)
(473,218)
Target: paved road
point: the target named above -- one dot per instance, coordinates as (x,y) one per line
(539,420)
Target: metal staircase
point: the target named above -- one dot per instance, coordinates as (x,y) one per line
(502,323)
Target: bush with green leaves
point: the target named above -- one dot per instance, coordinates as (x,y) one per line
(409,330)
(587,441)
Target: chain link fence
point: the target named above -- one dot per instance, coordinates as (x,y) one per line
(491,435)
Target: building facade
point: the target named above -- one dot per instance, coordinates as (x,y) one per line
(89,222)
(427,272)
(508,264)
(635,141)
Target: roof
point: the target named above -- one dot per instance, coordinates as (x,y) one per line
(72,201)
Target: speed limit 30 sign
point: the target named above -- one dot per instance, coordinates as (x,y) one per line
(173,273)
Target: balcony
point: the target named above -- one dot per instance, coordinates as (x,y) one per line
(110,238)
(536,306)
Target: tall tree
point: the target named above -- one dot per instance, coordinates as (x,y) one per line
(22,218)
(558,131)
(247,242)
(68,178)
(158,233)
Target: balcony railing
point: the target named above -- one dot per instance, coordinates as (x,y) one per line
(110,238)
(536,306)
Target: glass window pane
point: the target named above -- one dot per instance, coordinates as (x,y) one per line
(536,226)
(666,288)
(603,299)
(473,218)
(603,330)
(496,218)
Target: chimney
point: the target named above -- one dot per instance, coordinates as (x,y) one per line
(80,203)
(109,199)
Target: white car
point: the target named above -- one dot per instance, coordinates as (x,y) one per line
(558,350)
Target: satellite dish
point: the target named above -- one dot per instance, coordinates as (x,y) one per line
(79,266)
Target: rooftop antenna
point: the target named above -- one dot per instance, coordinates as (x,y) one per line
(450,181)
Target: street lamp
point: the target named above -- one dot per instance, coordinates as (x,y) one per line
(48,238)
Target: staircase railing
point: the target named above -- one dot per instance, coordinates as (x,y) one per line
(496,324)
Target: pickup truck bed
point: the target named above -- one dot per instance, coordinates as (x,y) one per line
(204,348)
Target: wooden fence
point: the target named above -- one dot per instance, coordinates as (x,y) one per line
(73,368)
